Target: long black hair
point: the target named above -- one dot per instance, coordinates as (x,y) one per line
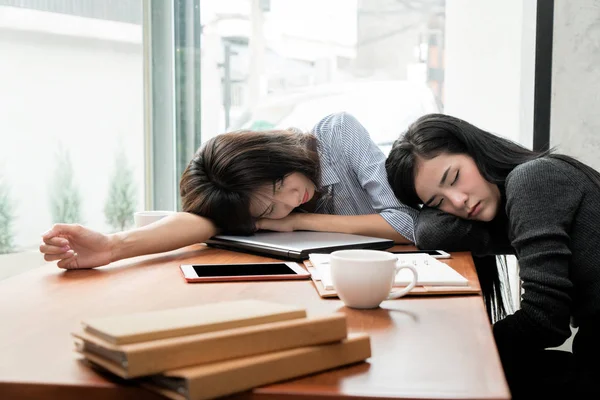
(495,157)
(221,179)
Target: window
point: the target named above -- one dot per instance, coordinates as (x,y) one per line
(72,126)
(89,88)
(279,63)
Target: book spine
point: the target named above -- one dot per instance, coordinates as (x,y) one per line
(257,371)
(233,343)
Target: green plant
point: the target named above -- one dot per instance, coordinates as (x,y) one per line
(6,219)
(121,201)
(65,199)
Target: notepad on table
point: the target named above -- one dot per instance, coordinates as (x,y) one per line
(431,271)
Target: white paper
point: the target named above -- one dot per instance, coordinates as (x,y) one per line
(431,271)
(321,264)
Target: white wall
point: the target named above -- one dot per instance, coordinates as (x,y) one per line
(69,80)
(575,116)
(575,120)
(489,74)
(490,55)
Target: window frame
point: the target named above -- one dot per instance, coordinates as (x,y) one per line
(172,134)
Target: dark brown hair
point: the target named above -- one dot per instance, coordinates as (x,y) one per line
(222,178)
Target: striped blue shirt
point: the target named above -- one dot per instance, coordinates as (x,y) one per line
(353,176)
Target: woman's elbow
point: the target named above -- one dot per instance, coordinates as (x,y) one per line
(428,236)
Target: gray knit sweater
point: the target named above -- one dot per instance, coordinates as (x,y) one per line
(552,224)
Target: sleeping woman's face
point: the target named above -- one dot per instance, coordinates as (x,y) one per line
(278,200)
(453,183)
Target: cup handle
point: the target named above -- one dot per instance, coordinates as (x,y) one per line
(411,285)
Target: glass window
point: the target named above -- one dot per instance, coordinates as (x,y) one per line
(282,63)
(72,126)
(104,102)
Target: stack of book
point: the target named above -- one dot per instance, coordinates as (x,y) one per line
(219,349)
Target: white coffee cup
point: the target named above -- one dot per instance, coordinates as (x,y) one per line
(364,278)
(143,218)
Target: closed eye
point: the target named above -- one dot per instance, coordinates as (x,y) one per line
(439,204)
(267,212)
(455,178)
(277,186)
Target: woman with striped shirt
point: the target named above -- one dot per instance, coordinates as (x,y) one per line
(332,179)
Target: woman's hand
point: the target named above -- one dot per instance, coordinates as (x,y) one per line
(77,247)
(287,224)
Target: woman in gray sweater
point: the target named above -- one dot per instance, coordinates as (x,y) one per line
(544,208)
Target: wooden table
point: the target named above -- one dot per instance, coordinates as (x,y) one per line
(438,347)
